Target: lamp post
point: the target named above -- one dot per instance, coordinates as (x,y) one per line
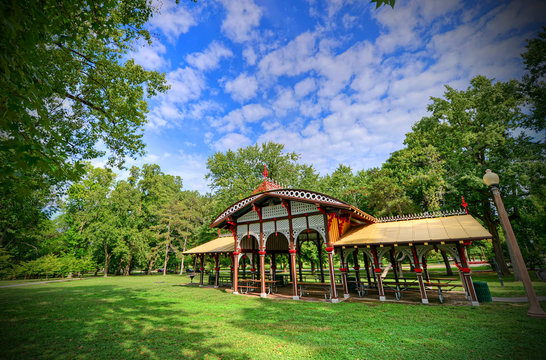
(492,180)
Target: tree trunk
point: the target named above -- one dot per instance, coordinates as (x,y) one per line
(166,258)
(497,247)
(167,243)
(449,271)
(312,268)
(183,249)
(120,266)
(151,266)
(106,259)
(127,268)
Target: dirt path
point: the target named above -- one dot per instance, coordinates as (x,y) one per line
(518,299)
(38,282)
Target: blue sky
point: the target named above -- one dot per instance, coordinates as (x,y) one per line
(335,81)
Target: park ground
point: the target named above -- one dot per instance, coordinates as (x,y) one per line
(162,317)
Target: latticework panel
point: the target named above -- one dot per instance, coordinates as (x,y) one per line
(275,211)
(297,208)
(249,216)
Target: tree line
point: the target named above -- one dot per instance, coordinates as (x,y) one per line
(64,92)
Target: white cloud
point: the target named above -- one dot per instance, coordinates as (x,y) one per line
(305,87)
(150,56)
(250,55)
(232,141)
(209,58)
(242,88)
(243,16)
(239,118)
(293,59)
(172,19)
(186,84)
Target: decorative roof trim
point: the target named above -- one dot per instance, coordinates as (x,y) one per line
(292,194)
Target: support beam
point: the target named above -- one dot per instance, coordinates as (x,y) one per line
(292,252)
(202,268)
(217,270)
(319,248)
(236,272)
(465,270)
(367,265)
(377,269)
(333,290)
(344,270)
(419,273)
(356,268)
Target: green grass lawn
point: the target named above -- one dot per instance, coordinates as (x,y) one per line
(154,317)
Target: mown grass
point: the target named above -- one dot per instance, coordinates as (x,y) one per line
(155,317)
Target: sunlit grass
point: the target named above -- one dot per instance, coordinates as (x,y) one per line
(158,318)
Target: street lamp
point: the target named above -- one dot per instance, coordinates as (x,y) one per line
(492,180)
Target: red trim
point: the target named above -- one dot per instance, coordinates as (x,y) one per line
(202,268)
(465,270)
(236,253)
(261,252)
(357,268)
(217,269)
(274,267)
(329,249)
(377,270)
(343,269)
(253,269)
(418,271)
(292,251)
(466,243)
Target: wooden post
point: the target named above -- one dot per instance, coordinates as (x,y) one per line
(419,273)
(330,252)
(273,266)
(357,268)
(300,263)
(319,247)
(465,270)
(377,269)
(202,268)
(217,270)
(425,268)
(367,265)
(343,270)
(292,253)
(236,272)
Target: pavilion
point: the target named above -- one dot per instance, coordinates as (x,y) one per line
(276,220)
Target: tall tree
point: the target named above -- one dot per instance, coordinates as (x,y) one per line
(476,129)
(235,174)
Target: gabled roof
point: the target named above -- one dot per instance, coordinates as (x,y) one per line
(223,244)
(448,229)
(243,206)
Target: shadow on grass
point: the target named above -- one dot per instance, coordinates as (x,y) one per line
(102,321)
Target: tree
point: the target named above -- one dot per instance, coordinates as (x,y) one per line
(66,87)
(476,129)
(89,207)
(235,174)
(533,83)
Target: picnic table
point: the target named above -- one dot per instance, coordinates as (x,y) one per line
(315,287)
(253,284)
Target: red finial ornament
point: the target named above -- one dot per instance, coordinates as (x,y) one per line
(464,204)
(265,171)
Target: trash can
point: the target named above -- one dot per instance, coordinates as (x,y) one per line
(482,291)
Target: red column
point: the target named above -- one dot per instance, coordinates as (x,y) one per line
(202,268)
(294,274)
(344,270)
(333,290)
(357,268)
(235,272)
(465,270)
(377,269)
(262,272)
(419,273)
(217,269)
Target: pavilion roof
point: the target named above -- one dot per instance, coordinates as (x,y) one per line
(448,229)
(223,244)
(306,196)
